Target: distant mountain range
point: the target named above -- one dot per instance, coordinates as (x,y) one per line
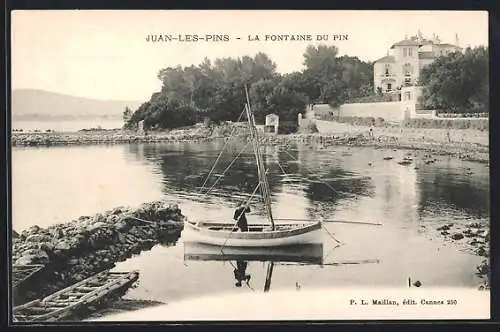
(31,104)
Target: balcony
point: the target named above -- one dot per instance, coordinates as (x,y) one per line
(407,80)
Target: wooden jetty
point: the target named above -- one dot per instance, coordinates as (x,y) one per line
(67,301)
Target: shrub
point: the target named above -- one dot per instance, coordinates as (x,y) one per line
(309,128)
(379,122)
(380,98)
(463,115)
(361,121)
(287,127)
(480,124)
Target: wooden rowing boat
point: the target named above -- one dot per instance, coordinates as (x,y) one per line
(24,279)
(24,273)
(270,235)
(66,302)
(258,235)
(308,253)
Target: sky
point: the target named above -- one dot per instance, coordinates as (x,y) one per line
(105,54)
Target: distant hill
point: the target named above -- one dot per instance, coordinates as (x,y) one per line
(31,104)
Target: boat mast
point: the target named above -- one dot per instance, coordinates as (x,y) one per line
(264,185)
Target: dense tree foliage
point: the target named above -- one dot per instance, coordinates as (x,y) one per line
(457,83)
(217,90)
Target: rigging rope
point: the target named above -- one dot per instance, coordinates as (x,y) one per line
(227,168)
(327,184)
(220,154)
(322,226)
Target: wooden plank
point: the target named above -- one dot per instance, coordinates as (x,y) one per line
(133,274)
(65,290)
(54,309)
(26,305)
(91,297)
(75,294)
(112,289)
(38,310)
(87,289)
(58,304)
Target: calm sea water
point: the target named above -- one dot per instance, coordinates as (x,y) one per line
(57,184)
(65,126)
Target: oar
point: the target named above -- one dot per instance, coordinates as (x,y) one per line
(337,221)
(364,261)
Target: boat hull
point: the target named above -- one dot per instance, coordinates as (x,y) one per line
(257,236)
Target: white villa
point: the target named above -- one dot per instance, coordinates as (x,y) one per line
(406,58)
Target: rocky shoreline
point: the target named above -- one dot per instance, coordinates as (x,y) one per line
(473,238)
(465,150)
(462,150)
(76,250)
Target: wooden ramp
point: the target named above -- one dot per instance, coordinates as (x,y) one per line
(76,297)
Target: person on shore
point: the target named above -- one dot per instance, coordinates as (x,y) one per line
(240,217)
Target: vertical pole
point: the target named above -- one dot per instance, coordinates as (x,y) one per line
(260,164)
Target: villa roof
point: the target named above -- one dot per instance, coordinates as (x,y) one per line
(386,59)
(425,55)
(426,42)
(447,45)
(406,42)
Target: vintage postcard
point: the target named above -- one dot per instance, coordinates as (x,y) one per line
(184,165)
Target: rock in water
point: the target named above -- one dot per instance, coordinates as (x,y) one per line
(88,245)
(457,236)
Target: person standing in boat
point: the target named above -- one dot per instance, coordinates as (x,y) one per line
(240,216)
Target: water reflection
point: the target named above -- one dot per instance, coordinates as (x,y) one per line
(311,254)
(462,187)
(185,168)
(331,182)
(68,182)
(168,239)
(240,273)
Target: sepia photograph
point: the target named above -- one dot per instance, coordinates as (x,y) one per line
(242,165)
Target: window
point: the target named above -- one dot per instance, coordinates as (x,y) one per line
(389,86)
(387,71)
(408,95)
(410,52)
(404,52)
(407,69)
